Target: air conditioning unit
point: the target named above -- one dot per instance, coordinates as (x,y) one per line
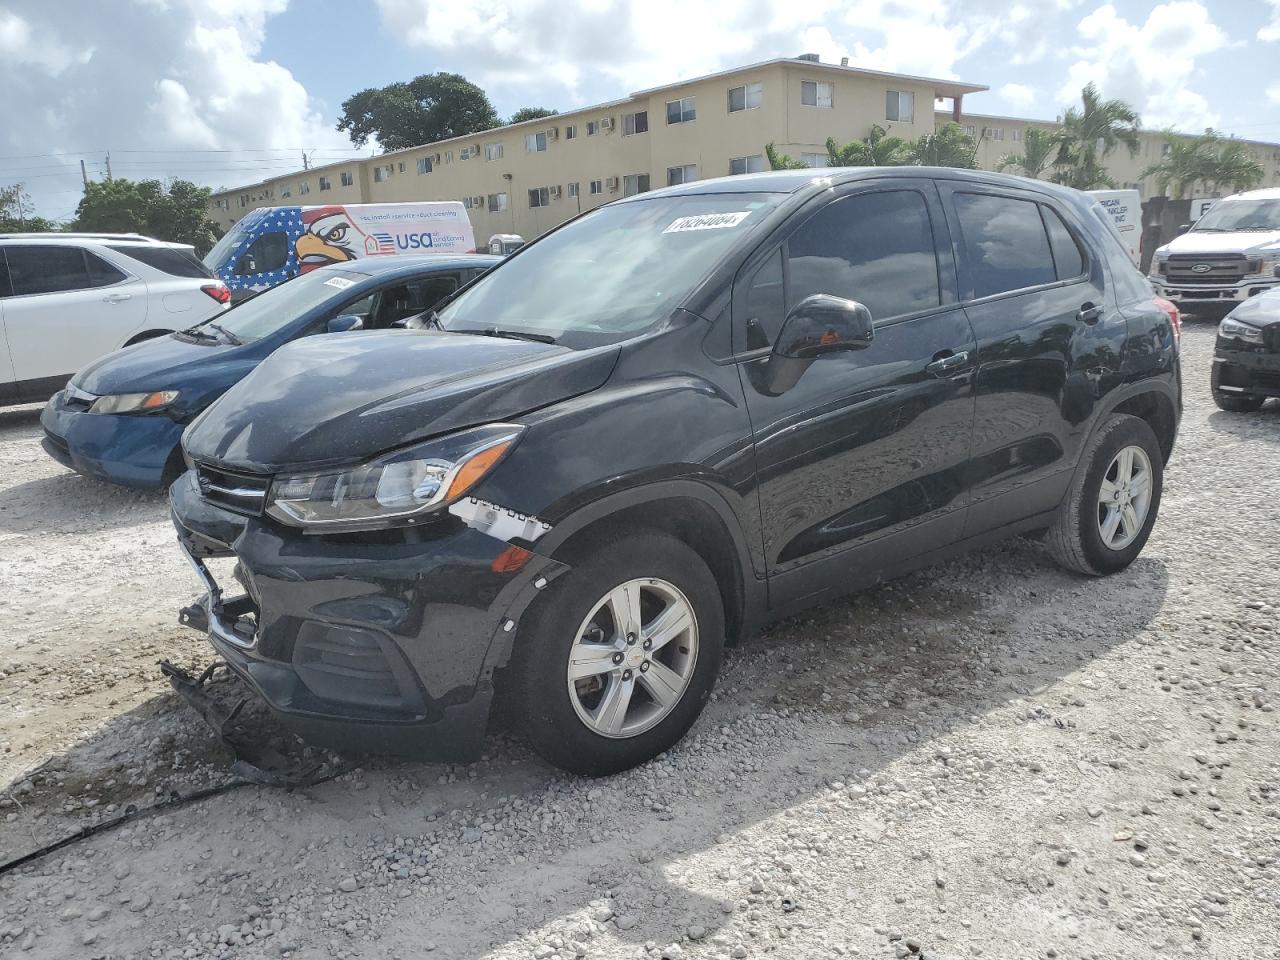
(611,184)
(553,133)
(606,123)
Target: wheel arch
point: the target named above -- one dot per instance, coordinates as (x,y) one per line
(146,335)
(1157,407)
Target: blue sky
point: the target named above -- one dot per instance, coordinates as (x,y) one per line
(230,91)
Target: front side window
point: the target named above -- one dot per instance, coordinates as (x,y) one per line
(267,253)
(170,260)
(816,93)
(683,174)
(535,142)
(1003,244)
(611,273)
(46,269)
(876,248)
(900,105)
(284,303)
(681,111)
(753,164)
(746,97)
(633,123)
(634,183)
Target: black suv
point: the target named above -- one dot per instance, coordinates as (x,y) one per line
(654,429)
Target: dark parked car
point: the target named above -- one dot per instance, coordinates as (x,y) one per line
(661,425)
(1246,355)
(120,418)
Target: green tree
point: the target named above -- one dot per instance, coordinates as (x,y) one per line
(178,213)
(948,147)
(877,150)
(17,212)
(434,106)
(1234,167)
(1038,150)
(1089,134)
(531,113)
(782,161)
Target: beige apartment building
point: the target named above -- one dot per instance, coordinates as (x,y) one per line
(526,178)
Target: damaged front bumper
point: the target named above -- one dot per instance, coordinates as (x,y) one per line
(384,642)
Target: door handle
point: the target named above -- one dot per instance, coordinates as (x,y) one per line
(117,297)
(946,362)
(1089,312)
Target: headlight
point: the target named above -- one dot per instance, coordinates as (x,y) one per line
(1260,264)
(134,402)
(394,487)
(1239,331)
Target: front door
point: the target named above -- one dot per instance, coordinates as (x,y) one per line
(1048,344)
(68,307)
(862,462)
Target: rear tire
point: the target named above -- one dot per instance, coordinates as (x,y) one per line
(1101,529)
(576,723)
(1234,403)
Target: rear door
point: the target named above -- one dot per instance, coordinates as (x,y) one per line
(8,386)
(1046,345)
(861,464)
(67,307)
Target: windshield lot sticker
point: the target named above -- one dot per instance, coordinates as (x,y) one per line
(707,221)
(340,282)
(500,522)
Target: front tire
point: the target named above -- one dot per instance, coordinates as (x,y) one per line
(1113,501)
(1233,403)
(617,659)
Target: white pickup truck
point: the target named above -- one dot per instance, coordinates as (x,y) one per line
(1230,254)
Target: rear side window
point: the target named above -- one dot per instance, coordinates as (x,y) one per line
(1067,257)
(176,263)
(101,273)
(876,248)
(46,269)
(1003,244)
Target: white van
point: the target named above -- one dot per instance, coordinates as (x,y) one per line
(1125,208)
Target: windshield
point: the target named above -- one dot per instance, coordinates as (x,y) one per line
(276,308)
(612,273)
(1241,215)
(218,256)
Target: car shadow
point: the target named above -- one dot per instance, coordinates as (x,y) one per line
(1257,425)
(69,502)
(877,676)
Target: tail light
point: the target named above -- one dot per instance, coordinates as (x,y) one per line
(219,292)
(1175,318)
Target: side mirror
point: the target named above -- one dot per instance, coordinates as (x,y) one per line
(1183,228)
(817,325)
(342,324)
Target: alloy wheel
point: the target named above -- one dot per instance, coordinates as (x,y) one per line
(1124,498)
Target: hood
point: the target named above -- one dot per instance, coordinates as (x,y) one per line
(1243,241)
(164,363)
(338,399)
(1259,311)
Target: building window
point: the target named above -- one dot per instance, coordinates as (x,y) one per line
(683,174)
(535,142)
(681,111)
(816,93)
(324,183)
(970,130)
(900,105)
(573,189)
(570,131)
(994,133)
(379,174)
(493,151)
(816,159)
(497,202)
(424,165)
(634,183)
(448,158)
(286,192)
(346,179)
(754,164)
(304,187)
(539,197)
(1015,134)
(633,123)
(746,97)
(466,202)
(596,187)
(469,152)
(593,127)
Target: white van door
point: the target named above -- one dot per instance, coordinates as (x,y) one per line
(1125,210)
(8,386)
(68,307)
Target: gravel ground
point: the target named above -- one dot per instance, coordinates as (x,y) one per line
(988,758)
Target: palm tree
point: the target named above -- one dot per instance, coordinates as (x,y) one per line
(782,161)
(1038,149)
(877,150)
(1185,161)
(1091,132)
(1234,167)
(948,147)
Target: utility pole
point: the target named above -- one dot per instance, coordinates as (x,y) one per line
(84,175)
(108,167)
(306,161)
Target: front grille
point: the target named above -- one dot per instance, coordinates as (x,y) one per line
(238,492)
(353,666)
(1218,269)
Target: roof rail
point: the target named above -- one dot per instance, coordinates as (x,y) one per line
(59,235)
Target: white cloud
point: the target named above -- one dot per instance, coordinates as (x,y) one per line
(1017,95)
(1273,93)
(1149,65)
(1271,31)
(147,75)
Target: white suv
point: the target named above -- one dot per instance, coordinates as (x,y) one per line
(69,298)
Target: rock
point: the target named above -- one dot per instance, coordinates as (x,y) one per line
(696,932)
(348,885)
(626,921)
(673,952)
(140,902)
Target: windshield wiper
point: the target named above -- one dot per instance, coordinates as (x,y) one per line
(513,334)
(231,337)
(197,334)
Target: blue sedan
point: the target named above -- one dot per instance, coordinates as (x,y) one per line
(120,418)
